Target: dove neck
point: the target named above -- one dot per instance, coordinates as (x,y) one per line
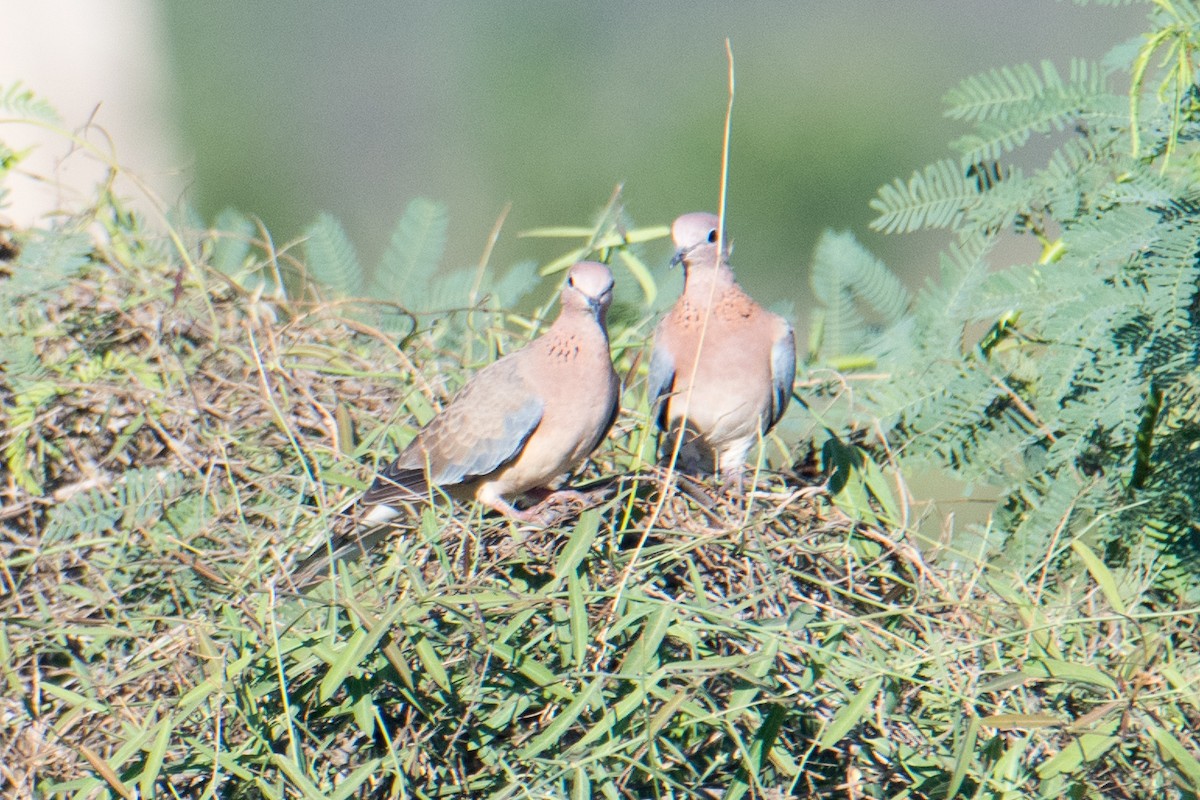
(573,314)
(702,272)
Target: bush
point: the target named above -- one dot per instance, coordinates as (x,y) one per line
(185,416)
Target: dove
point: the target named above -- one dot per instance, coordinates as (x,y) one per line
(512,429)
(521,421)
(720,361)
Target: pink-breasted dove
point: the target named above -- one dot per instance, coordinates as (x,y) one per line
(514,427)
(720,360)
(521,421)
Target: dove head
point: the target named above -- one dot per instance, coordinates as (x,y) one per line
(693,229)
(589,287)
(695,236)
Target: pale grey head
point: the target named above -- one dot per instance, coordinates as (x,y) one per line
(589,286)
(695,236)
(696,228)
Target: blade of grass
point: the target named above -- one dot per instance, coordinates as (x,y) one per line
(850,714)
(154,757)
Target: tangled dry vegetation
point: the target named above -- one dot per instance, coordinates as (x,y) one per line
(173,443)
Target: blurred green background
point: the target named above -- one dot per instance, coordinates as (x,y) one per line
(292,107)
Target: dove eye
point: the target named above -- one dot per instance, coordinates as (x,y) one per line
(712,236)
(571,281)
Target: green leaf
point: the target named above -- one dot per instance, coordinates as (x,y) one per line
(154,757)
(1101,574)
(351,784)
(963,758)
(992,93)
(20,102)
(332,260)
(1067,671)
(851,714)
(642,656)
(635,236)
(858,485)
(298,778)
(46,262)
(934,198)
(1021,722)
(139,496)
(559,232)
(1174,752)
(641,274)
(576,549)
(362,643)
(558,727)
(411,259)
(541,675)
(765,736)
(581,785)
(232,232)
(859,295)
(564,261)
(578,617)
(1080,751)
(430,660)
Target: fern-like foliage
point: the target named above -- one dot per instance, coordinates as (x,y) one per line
(332,259)
(936,197)
(409,282)
(413,254)
(230,250)
(19,360)
(47,261)
(410,275)
(1067,384)
(1009,105)
(20,102)
(859,297)
(136,497)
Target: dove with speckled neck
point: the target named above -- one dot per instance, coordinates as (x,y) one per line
(722,367)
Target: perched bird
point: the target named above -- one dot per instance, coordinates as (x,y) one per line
(514,427)
(521,421)
(722,367)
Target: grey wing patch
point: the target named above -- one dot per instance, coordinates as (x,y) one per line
(783,372)
(485,425)
(493,450)
(658,383)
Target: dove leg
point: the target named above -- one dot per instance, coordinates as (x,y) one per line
(733,464)
(491,498)
(564,496)
(536,514)
(557,506)
(544,495)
